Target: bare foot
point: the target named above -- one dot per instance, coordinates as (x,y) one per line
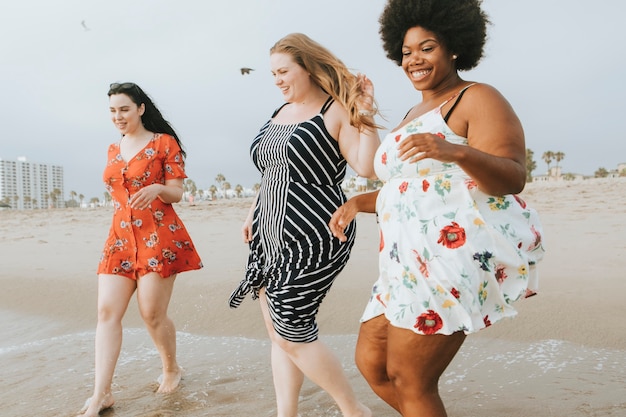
(94,408)
(170,380)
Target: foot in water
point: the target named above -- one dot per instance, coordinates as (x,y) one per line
(169,381)
(93,408)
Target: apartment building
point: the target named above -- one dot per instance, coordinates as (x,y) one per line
(28,185)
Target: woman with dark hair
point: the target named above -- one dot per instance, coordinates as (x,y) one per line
(148,244)
(325,123)
(457,246)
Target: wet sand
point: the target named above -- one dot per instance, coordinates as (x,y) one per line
(562,356)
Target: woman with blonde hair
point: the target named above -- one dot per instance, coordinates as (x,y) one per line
(325,123)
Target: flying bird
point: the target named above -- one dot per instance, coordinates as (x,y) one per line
(84,25)
(245,71)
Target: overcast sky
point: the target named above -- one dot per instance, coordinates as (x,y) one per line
(560,64)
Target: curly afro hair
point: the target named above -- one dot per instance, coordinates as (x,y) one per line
(460,25)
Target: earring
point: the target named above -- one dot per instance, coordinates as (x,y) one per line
(454,56)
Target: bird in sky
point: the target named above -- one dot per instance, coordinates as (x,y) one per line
(245,71)
(84,25)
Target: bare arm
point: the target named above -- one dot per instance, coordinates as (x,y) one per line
(170,192)
(359,146)
(496,156)
(246,228)
(340,219)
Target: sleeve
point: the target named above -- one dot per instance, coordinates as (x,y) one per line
(174,164)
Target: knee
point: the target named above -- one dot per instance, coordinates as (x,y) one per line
(152,317)
(405,378)
(372,366)
(109,314)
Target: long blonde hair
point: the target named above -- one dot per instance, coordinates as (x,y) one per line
(327,71)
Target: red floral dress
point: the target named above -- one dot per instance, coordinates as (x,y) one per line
(153,239)
(452,258)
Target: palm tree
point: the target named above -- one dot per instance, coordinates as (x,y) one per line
(548,156)
(213,191)
(226,187)
(53,199)
(220,179)
(238,190)
(81,198)
(601,173)
(190,187)
(73,195)
(559,156)
(531,165)
(57,196)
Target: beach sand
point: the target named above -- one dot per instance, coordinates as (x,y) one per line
(562,356)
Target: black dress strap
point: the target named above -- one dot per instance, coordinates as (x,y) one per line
(327,105)
(458,98)
(278,109)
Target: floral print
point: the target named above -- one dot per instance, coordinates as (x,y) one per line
(452,258)
(153,239)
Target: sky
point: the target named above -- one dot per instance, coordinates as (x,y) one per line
(560,64)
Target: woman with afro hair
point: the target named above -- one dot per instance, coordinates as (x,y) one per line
(457,246)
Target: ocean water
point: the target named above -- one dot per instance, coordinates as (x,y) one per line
(48,371)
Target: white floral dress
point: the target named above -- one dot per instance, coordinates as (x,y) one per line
(452,258)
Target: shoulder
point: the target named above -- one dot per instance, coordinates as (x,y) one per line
(480,93)
(113,147)
(336,118)
(164,137)
(165,140)
(481,100)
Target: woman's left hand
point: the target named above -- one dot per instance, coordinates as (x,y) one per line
(145,196)
(341,218)
(427,145)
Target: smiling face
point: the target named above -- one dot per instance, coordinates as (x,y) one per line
(293,80)
(425,60)
(125,114)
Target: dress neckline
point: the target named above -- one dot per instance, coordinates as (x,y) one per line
(434,109)
(132,158)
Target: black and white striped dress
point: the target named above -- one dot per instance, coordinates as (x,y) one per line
(293,253)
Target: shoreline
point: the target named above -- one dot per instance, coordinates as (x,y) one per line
(561,356)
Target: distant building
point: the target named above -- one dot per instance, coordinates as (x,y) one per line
(27,185)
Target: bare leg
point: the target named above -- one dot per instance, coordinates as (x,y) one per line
(153,297)
(318,363)
(371,359)
(322,367)
(288,378)
(114,294)
(414,364)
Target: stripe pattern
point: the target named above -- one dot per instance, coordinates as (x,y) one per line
(293,253)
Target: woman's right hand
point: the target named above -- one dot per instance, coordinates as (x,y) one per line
(345,213)
(246,230)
